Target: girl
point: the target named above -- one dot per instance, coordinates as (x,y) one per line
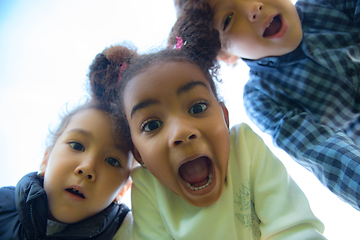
(85,171)
(196,180)
(304,76)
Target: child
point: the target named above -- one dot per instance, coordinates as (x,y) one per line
(196,180)
(85,170)
(304,77)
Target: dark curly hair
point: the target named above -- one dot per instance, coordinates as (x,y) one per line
(195,20)
(196,51)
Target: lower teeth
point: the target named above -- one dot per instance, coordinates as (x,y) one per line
(203,186)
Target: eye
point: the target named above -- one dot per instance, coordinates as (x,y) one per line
(198,108)
(227,21)
(113,162)
(150,125)
(77,146)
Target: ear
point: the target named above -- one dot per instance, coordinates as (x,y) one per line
(227,58)
(136,155)
(226,113)
(45,160)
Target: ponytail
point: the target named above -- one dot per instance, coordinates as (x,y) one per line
(195,27)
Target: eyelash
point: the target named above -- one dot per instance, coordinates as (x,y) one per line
(201,102)
(146,124)
(227,21)
(77,143)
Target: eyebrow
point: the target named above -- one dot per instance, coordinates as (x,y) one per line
(79,130)
(143,104)
(183,89)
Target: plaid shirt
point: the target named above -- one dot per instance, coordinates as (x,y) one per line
(309,100)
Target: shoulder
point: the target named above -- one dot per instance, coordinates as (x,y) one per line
(141,175)
(9,218)
(247,147)
(7,199)
(243,132)
(125,230)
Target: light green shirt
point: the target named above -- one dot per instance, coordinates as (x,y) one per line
(259,200)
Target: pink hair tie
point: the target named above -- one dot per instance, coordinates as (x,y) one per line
(179,43)
(122,68)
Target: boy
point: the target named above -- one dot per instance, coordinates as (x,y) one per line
(304,78)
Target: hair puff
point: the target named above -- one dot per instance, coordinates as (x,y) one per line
(104,72)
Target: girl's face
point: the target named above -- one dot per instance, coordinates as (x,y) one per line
(255,29)
(180,130)
(85,170)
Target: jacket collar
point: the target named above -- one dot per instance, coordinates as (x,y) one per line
(31,203)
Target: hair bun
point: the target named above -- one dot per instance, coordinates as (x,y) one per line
(104,72)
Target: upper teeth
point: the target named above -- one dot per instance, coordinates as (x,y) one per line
(269,23)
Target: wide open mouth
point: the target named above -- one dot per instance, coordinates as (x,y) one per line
(75,192)
(197,174)
(273,27)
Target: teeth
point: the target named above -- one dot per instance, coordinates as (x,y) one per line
(77,192)
(203,186)
(269,23)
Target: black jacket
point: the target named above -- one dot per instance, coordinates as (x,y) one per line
(23,215)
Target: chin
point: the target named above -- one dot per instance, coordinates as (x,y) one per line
(205,200)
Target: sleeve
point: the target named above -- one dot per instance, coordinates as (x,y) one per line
(282,208)
(148,223)
(349,7)
(331,155)
(125,230)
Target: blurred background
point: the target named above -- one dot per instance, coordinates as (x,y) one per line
(46,48)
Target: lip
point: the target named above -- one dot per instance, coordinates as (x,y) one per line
(75,197)
(282,31)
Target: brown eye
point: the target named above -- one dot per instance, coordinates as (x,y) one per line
(151,125)
(198,108)
(227,21)
(113,162)
(77,146)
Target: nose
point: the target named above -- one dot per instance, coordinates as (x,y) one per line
(254,10)
(86,170)
(182,132)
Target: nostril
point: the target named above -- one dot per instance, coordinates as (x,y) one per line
(89,176)
(254,16)
(177,143)
(260,7)
(80,172)
(192,136)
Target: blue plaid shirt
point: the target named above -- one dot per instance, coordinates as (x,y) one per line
(309,100)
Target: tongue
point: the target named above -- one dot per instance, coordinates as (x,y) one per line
(195,171)
(274,27)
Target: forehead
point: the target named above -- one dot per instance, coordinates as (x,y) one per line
(90,117)
(164,76)
(96,123)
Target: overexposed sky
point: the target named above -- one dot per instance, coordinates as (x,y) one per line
(45,51)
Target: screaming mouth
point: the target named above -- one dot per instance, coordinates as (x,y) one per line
(197,174)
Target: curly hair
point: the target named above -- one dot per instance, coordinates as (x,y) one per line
(109,65)
(182,6)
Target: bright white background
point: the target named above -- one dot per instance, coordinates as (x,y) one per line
(45,50)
